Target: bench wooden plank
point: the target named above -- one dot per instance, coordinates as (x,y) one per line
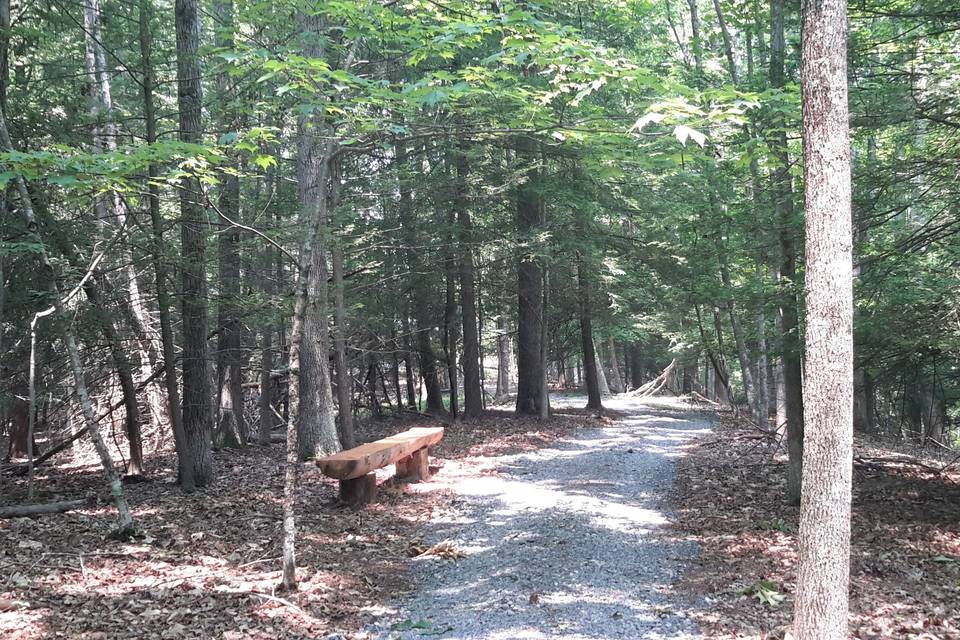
(359,461)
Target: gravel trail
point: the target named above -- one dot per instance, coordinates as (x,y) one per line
(564,542)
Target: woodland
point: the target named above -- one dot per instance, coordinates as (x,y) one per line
(238,236)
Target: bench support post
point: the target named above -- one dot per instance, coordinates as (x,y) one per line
(414,467)
(358,491)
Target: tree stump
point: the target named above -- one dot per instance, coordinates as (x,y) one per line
(359,491)
(414,467)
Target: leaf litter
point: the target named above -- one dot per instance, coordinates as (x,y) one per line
(208,564)
(905,577)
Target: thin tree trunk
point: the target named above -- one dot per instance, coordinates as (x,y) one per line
(230,430)
(472,384)
(197,398)
(504,353)
(450,320)
(104,139)
(782,191)
(601,374)
(594,397)
(175,411)
(344,385)
(125,525)
(408,357)
(821,609)
(743,356)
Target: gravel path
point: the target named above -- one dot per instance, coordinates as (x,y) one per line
(564,542)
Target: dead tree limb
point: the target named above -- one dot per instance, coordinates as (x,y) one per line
(23,510)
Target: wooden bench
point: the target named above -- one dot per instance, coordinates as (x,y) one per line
(355,468)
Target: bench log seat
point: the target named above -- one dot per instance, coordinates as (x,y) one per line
(355,468)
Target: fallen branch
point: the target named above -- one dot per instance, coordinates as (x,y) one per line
(24,510)
(879,462)
(655,385)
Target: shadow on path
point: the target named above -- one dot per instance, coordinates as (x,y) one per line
(564,542)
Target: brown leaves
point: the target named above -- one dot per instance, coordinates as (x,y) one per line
(906,528)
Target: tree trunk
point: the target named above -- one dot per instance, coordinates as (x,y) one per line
(616,382)
(344,385)
(601,374)
(504,357)
(594,397)
(197,409)
(531,373)
(316,419)
(20,430)
(782,191)
(172,385)
(762,365)
(821,608)
(125,526)
(472,385)
(104,139)
(450,323)
(408,357)
(635,354)
(229,431)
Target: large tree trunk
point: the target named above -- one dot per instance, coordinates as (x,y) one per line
(316,420)
(197,398)
(531,374)
(782,191)
(594,396)
(472,384)
(821,608)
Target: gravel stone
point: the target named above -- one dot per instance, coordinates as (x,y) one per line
(564,542)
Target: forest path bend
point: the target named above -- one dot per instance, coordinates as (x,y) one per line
(567,541)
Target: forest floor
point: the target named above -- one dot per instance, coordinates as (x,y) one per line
(207,564)
(905,564)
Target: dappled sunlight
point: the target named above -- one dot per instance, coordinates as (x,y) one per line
(544,534)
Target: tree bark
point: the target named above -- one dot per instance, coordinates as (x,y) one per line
(594,396)
(450,324)
(616,381)
(197,398)
(531,373)
(316,420)
(504,359)
(635,354)
(104,139)
(472,385)
(821,608)
(344,384)
(172,385)
(230,431)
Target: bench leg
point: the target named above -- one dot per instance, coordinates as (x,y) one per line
(359,491)
(414,467)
